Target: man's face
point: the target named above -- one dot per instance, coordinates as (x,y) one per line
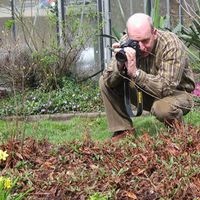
(146,38)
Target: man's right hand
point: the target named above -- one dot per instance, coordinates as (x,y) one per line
(116,47)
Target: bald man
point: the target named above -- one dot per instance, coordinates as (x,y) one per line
(163,74)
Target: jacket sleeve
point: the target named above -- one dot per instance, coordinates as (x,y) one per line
(111,75)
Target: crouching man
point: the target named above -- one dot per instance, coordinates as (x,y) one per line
(163,74)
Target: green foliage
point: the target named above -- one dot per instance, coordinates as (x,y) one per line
(81,25)
(191,34)
(53,63)
(159,21)
(193,118)
(155,14)
(9,23)
(7,187)
(72,97)
(117,34)
(49,68)
(97,196)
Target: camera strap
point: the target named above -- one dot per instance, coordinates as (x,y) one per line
(127,99)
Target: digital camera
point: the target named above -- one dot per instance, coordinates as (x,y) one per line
(121,55)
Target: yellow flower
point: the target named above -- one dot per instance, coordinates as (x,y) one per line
(3,155)
(7,183)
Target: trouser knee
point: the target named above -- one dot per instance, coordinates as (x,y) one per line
(165,111)
(101,84)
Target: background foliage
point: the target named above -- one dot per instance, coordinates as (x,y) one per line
(45,61)
(72,97)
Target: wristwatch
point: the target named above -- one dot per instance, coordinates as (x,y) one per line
(136,74)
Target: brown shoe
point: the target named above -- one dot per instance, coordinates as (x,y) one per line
(122,134)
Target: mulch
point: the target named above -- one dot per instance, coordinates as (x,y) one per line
(166,166)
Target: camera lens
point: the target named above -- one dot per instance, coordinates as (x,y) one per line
(121,56)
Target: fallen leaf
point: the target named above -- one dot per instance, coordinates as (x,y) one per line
(131,195)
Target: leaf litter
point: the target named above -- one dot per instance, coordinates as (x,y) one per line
(165,166)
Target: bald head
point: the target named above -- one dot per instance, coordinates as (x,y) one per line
(139,23)
(140,28)
(139,20)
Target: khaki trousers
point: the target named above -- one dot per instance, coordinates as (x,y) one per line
(166,109)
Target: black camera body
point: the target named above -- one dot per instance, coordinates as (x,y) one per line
(121,55)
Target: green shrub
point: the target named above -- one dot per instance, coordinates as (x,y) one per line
(72,97)
(190,33)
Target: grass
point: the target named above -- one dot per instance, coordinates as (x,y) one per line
(58,132)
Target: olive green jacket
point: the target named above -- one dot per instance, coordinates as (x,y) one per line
(166,69)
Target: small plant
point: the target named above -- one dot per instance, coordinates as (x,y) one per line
(7,185)
(97,196)
(3,155)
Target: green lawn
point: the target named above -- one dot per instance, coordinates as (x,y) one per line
(78,127)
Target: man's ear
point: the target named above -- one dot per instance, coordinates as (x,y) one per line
(155,32)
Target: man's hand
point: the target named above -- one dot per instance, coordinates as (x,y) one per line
(116,45)
(131,61)
(116,48)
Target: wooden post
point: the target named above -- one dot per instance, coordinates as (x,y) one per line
(61,20)
(13,18)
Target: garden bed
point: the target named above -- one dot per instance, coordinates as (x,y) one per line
(165,166)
